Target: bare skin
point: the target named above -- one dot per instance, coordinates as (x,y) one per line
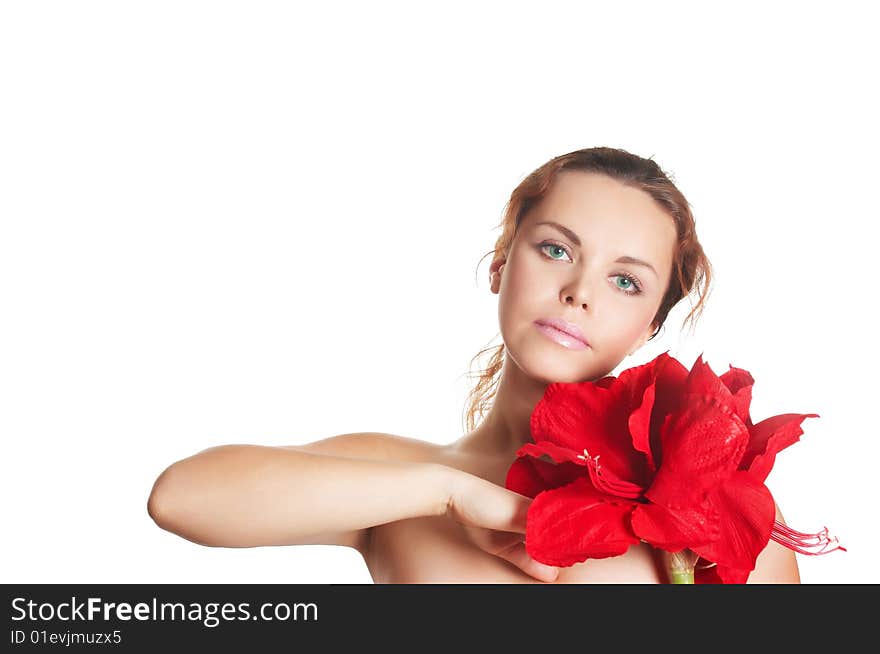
(426,513)
(439,549)
(462,525)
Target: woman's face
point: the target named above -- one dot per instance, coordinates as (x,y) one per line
(572,273)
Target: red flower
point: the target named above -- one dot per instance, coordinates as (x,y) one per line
(659,454)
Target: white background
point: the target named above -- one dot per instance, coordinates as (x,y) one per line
(260,222)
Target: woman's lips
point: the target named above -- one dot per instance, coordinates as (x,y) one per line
(566,340)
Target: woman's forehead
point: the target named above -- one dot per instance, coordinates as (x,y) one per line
(580,211)
(591,197)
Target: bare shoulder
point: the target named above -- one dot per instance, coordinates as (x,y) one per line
(375,446)
(776,564)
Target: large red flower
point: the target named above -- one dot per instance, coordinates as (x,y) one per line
(659,454)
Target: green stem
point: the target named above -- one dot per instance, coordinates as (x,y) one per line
(681,576)
(680,566)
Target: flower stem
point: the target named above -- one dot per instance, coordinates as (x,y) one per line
(680,566)
(681,577)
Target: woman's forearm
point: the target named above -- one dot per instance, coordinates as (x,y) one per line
(249,495)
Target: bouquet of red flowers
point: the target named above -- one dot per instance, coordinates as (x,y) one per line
(663,455)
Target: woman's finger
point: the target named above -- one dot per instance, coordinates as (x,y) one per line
(518,556)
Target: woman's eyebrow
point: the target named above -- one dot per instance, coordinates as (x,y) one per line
(565,230)
(577,241)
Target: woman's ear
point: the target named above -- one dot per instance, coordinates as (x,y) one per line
(495,275)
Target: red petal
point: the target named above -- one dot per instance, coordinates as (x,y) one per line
(729,575)
(769,437)
(640,426)
(528,476)
(636,390)
(702,380)
(674,530)
(719,574)
(739,382)
(705,573)
(584,416)
(668,391)
(558,454)
(573,523)
(702,444)
(746,517)
(606,382)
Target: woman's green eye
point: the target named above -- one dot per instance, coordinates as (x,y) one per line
(555,250)
(632,285)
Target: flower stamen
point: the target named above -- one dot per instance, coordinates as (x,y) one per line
(821,542)
(608,483)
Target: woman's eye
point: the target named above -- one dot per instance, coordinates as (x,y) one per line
(554,251)
(630,286)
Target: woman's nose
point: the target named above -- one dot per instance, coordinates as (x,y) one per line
(577,293)
(570,300)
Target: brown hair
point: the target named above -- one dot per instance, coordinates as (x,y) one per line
(691,268)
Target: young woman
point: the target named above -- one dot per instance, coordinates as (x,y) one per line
(596,247)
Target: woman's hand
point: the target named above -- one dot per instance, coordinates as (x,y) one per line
(494,518)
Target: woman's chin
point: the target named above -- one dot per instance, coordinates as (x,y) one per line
(551,370)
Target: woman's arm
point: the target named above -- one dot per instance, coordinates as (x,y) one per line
(776,564)
(249,495)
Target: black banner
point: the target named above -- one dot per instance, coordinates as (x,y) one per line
(111,617)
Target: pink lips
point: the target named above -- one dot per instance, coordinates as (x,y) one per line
(564,333)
